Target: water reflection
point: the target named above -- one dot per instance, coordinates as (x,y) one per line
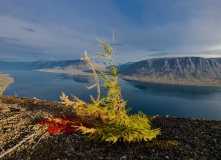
(183,91)
(78,78)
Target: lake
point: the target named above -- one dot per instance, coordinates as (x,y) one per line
(152,99)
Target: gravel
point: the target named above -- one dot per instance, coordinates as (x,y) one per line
(197,138)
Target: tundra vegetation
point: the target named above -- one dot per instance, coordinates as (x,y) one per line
(108,114)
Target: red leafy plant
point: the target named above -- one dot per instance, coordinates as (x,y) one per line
(65,124)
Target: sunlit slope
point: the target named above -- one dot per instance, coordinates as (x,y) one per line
(4,82)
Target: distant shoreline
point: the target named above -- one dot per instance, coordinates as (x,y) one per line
(194,82)
(190,82)
(72,72)
(4,82)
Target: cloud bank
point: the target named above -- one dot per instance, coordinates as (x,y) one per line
(59,30)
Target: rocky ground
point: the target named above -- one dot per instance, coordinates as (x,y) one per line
(181,138)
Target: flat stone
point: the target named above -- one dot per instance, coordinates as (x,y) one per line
(123,158)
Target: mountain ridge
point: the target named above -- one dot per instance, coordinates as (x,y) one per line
(175,70)
(170,70)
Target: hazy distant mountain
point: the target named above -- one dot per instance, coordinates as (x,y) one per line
(62,65)
(182,70)
(12,65)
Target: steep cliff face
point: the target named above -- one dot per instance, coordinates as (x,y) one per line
(174,69)
(217,60)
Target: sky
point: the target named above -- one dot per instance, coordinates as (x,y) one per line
(33,30)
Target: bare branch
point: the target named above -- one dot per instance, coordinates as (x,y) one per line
(16,146)
(40,139)
(2,148)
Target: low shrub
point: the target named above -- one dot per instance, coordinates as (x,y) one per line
(64,124)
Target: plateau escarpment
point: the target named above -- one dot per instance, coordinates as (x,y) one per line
(216,59)
(182,70)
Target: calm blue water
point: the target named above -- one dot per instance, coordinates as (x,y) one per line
(152,99)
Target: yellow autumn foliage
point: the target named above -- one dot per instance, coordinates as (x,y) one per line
(108,114)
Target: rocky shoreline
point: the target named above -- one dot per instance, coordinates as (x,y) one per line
(193,138)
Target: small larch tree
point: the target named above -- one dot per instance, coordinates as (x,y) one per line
(108,114)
